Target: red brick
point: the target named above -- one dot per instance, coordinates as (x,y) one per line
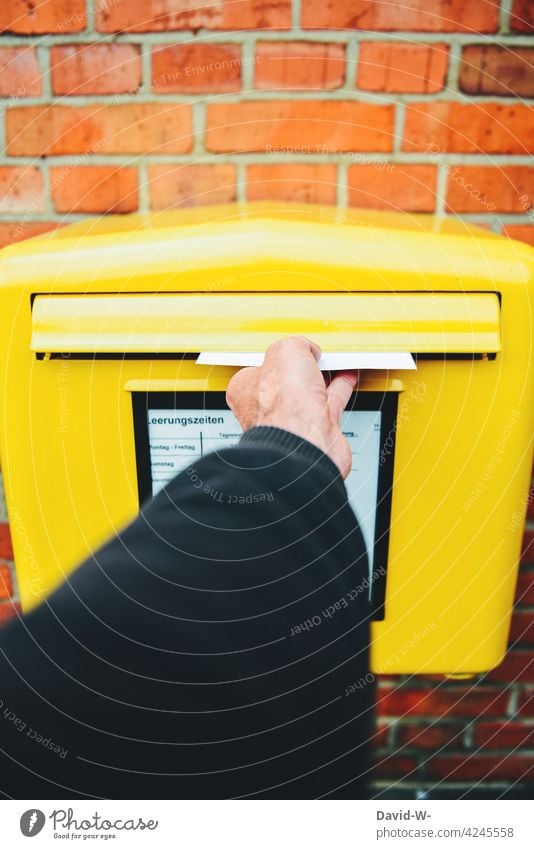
(196,68)
(523,233)
(393,766)
(6,583)
(21,189)
(439,701)
(481,767)
(157,15)
(430,736)
(522,628)
(20,75)
(125,128)
(94,188)
(41,16)
(474,188)
(394,187)
(17,231)
(527,548)
(8,610)
(488,69)
(299,126)
(6,550)
(417,15)
(387,66)
(295,182)
(507,735)
(516,666)
(299,65)
(469,127)
(526,705)
(525,587)
(522,17)
(191,185)
(95,68)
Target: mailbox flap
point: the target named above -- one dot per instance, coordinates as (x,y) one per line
(161,323)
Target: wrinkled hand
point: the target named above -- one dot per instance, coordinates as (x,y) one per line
(289,391)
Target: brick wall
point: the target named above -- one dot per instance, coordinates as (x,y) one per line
(426,105)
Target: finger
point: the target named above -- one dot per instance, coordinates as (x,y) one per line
(239,385)
(339,391)
(309,345)
(292,346)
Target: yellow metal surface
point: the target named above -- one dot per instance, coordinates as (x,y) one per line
(189,322)
(464,428)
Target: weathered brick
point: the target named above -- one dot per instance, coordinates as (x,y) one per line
(469,127)
(393,765)
(516,666)
(417,15)
(481,188)
(522,628)
(6,583)
(394,187)
(521,232)
(299,65)
(8,610)
(526,705)
(94,188)
(17,231)
(196,68)
(397,701)
(525,587)
(157,15)
(299,126)
(95,68)
(527,548)
(124,128)
(191,185)
(522,17)
(299,182)
(20,75)
(6,549)
(490,69)
(21,189)
(508,735)
(26,18)
(432,735)
(502,767)
(389,66)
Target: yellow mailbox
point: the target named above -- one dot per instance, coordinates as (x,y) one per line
(102,400)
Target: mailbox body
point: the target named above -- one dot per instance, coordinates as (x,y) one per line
(100,310)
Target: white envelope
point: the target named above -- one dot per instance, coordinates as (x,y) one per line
(332,361)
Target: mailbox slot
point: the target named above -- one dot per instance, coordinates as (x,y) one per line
(165,325)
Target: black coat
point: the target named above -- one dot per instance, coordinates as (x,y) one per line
(206,650)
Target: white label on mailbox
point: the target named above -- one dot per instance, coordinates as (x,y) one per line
(179,438)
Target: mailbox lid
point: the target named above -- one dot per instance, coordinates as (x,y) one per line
(260,247)
(442,322)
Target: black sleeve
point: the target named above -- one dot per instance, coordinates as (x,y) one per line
(207,650)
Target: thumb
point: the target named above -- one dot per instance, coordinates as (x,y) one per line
(339,391)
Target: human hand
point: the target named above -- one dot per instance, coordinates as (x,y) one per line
(289,391)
